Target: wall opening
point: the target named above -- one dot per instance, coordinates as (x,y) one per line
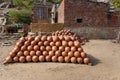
(109,16)
(49,12)
(79,20)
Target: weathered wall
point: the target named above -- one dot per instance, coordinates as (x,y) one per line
(96,32)
(60,11)
(95,23)
(37,14)
(114,21)
(91,13)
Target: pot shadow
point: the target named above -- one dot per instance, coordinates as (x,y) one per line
(93,60)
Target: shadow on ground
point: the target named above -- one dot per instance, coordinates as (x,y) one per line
(94,60)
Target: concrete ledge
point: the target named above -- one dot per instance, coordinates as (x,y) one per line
(96,32)
(46,27)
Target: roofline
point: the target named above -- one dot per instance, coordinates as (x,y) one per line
(89,1)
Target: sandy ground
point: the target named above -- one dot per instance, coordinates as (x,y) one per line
(104,55)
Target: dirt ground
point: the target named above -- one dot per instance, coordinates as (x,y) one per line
(104,54)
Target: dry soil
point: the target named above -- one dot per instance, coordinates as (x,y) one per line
(104,54)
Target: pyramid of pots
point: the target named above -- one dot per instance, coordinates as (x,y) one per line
(56,48)
(82,40)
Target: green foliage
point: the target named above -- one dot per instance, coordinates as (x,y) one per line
(116,3)
(20,16)
(6,0)
(26,4)
(23,15)
(56,1)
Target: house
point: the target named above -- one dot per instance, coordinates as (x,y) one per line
(42,11)
(95,13)
(89,18)
(77,13)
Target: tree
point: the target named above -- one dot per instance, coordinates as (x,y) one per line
(116,3)
(56,1)
(20,16)
(26,4)
(24,14)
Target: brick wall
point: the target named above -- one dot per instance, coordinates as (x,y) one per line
(91,13)
(96,32)
(36,13)
(114,21)
(95,24)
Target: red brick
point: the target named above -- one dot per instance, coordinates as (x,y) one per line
(92,13)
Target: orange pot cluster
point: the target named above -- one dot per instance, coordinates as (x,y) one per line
(82,40)
(48,49)
(64,33)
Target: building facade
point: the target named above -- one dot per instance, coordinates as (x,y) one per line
(41,12)
(85,13)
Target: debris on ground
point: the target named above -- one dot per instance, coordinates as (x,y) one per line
(8,39)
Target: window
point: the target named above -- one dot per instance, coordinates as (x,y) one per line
(41,13)
(109,16)
(79,20)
